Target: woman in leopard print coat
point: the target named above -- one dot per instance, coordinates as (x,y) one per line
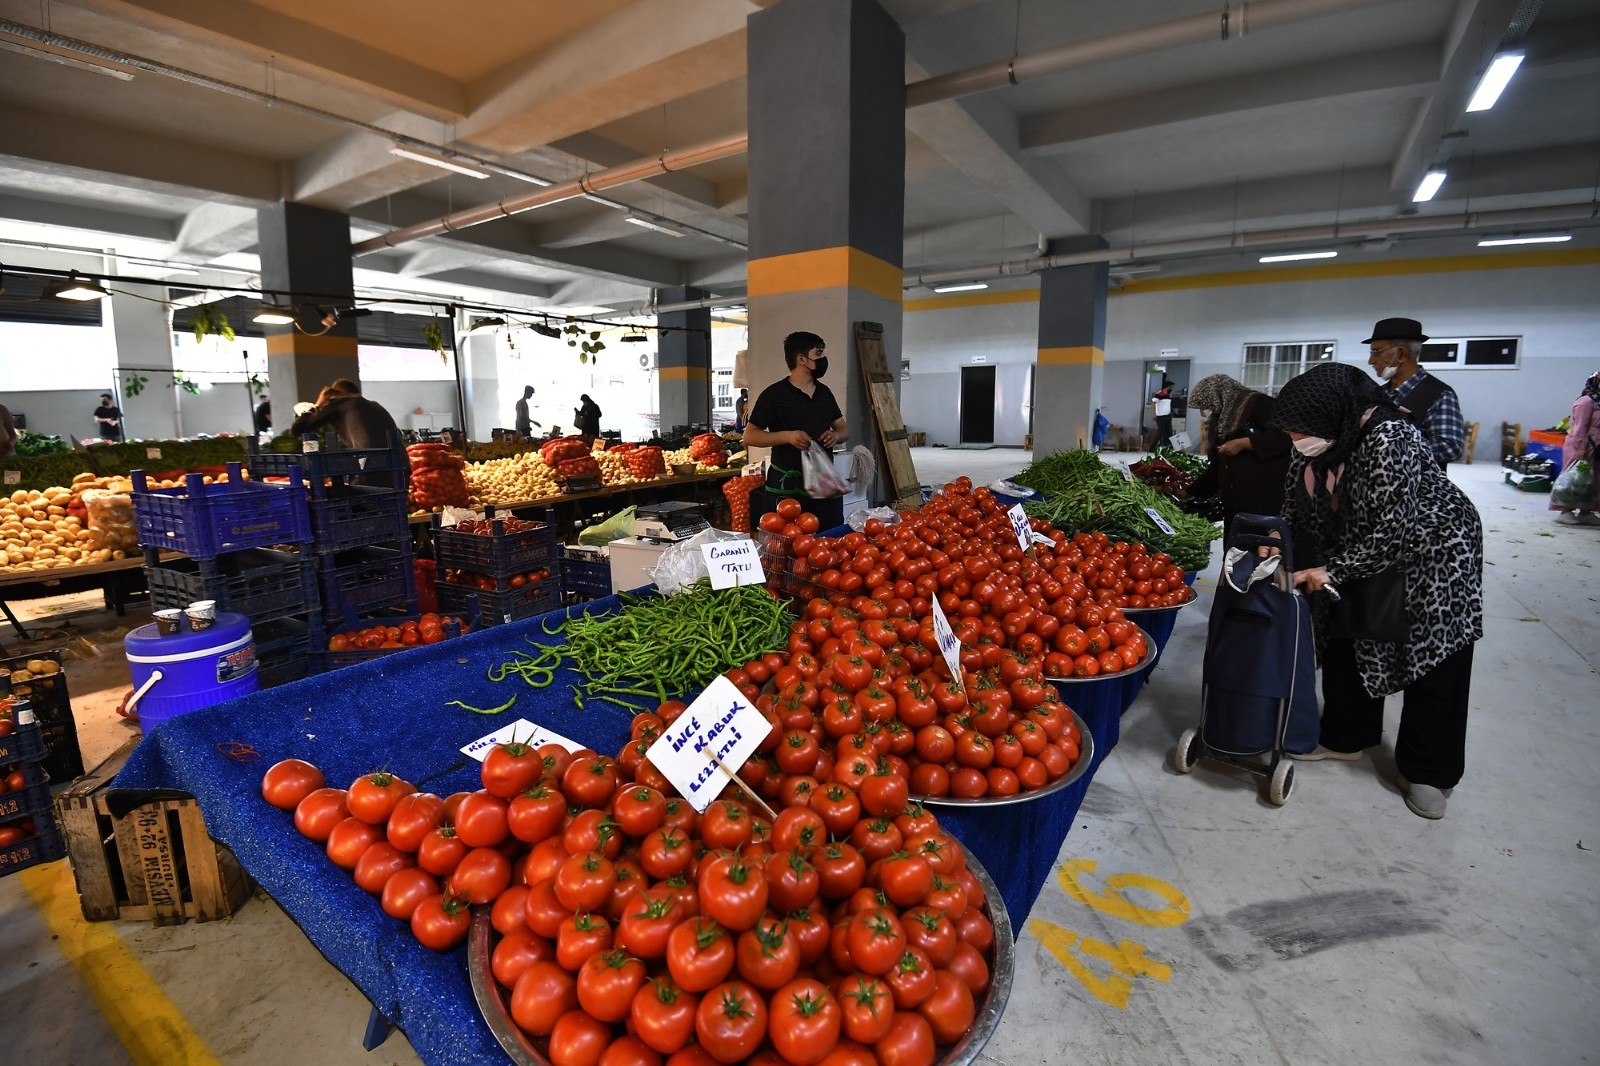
(1369,499)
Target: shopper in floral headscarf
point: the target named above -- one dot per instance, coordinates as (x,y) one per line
(1249,458)
(1583,442)
(1364,495)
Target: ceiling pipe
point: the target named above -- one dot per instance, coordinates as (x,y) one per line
(1441,224)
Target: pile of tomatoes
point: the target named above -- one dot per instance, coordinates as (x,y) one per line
(16,832)
(403,633)
(12,779)
(632,929)
(478,580)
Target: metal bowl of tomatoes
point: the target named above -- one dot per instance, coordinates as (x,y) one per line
(524,1051)
(1151,654)
(1169,609)
(1066,780)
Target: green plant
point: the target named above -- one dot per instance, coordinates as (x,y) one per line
(209,321)
(434,334)
(181,382)
(257,386)
(134,384)
(591,348)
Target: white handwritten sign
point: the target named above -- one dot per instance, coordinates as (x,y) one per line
(152,453)
(521,731)
(13,477)
(949,646)
(720,721)
(309,445)
(733,562)
(1161,523)
(1127,474)
(1019,526)
(1040,538)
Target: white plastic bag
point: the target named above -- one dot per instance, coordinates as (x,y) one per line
(1573,489)
(683,563)
(857,519)
(822,481)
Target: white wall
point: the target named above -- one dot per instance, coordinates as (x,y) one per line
(1555,310)
(939,343)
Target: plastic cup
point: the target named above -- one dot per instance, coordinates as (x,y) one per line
(168,622)
(202,614)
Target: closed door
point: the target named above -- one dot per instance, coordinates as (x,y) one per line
(977,405)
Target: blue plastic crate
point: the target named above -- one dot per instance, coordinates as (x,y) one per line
(203,521)
(260,583)
(30,800)
(585,579)
(496,608)
(284,649)
(366,579)
(25,744)
(499,555)
(358,516)
(327,460)
(45,845)
(324,659)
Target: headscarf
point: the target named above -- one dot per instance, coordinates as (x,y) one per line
(1224,398)
(1591,388)
(1330,400)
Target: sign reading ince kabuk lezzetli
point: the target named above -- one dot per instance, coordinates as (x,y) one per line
(721,721)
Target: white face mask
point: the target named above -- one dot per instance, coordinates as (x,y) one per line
(1312,446)
(1388,372)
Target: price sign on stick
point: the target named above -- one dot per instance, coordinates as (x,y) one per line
(700,752)
(949,646)
(1161,523)
(1019,526)
(521,731)
(733,562)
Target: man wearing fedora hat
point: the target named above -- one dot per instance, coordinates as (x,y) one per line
(1430,404)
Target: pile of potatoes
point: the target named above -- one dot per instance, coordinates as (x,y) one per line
(520,477)
(39,534)
(614,469)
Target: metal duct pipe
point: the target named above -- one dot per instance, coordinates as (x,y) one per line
(622,174)
(1234,20)
(1443,224)
(686,305)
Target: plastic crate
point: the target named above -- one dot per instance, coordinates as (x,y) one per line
(284,649)
(499,555)
(24,744)
(52,705)
(325,460)
(358,516)
(46,845)
(203,521)
(584,579)
(31,799)
(366,579)
(260,583)
(497,608)
(324,658)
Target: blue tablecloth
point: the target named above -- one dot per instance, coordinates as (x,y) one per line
(391,713)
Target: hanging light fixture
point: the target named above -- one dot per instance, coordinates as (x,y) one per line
(634,336)
(273,315)
(545,329)
(76,289)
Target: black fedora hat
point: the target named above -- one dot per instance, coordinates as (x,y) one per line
(1397,329)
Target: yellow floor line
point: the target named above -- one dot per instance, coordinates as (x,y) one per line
(149,1025)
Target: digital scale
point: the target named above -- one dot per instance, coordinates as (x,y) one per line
(670,521)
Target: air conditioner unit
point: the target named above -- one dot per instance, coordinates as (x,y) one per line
(647,360)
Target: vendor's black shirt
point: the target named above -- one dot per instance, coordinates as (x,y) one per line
(109,432)
(782,406)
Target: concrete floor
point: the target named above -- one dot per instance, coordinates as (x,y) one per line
(1192,922)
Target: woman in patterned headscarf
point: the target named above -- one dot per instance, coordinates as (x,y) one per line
(1583,442)
(1364,495)
(1249,458)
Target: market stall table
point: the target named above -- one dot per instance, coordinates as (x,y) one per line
(392,713)
(120,579)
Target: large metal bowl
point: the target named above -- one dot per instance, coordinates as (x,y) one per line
(1066,780)
(1174,609)
(1150,657)
(964,1052)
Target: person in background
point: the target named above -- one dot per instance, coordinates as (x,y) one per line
(264,414)
(108,417)
(8,432)
(1430,404)
(524,423)
(1583,442)
(791,413)
(1249,458)
(1362,497)
(1161,407)
(741,409)
(358,421)
(587,418)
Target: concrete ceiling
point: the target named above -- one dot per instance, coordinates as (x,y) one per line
(1329,118)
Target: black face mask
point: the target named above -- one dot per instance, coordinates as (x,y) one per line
(820,370)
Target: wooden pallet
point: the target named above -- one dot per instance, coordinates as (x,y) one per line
(905,491)
(154,862)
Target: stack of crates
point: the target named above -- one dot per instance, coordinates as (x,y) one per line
(585,573)
(360,532)
(504,559)
(246,549)
(26,809)
(41,680)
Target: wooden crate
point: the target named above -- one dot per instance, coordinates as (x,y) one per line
(154,862)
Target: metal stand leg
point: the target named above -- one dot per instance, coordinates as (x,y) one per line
(12,618)
(378,1030)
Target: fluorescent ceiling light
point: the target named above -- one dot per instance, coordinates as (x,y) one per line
(1428,186)
(75,288)
(1290,257)
(969,287)
(1496,242)
(1494,81)
(435,159)
(81,62)
(271,315)
(156,264)
(651,224)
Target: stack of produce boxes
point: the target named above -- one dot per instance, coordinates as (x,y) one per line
(496,570)
(28,831)
(245,545)
(40,679)
(360,533)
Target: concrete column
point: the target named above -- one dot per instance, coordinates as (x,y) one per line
(1070,373)
(480,383)
(827,187)
(142,326)
(306,250)
(683,361)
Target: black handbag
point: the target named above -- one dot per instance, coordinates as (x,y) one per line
(1372,608)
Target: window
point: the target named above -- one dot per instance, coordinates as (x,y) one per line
(722,393)
(1489,353)
(1267,367)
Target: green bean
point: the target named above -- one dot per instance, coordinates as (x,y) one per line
(506,706)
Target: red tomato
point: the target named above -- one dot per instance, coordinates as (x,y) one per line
(515,953)
(805,1021)
(639,809)
(377,864)
(911,980)
(510,912)
(700,954)
(950,1009)
(405,889)
(542,911)
(909,1041)
(662,1015)
(349,840)
(321,810)
(536,814)
(373,796)
(580,936)
(441,922)
(590,782)
(732,891)
(509,769)
(440,851)
(731,1021)
(648,921)
(875,941)
(289,782)
(413,818)
(607,984)
(481,820)
(584,882)
(541,995)
(867,1008)
(481,876)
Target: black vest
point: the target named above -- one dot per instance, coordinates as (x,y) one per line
(1418,400)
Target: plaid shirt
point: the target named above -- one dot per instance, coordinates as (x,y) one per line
(1447,430)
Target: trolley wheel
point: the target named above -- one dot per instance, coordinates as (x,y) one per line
(1282,783)
(1187,753)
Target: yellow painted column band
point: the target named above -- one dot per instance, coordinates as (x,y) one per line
(1558,257)
(685,373)
(301,344)
(974,299)
(826,268)
(151,1028)
(1084,355)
